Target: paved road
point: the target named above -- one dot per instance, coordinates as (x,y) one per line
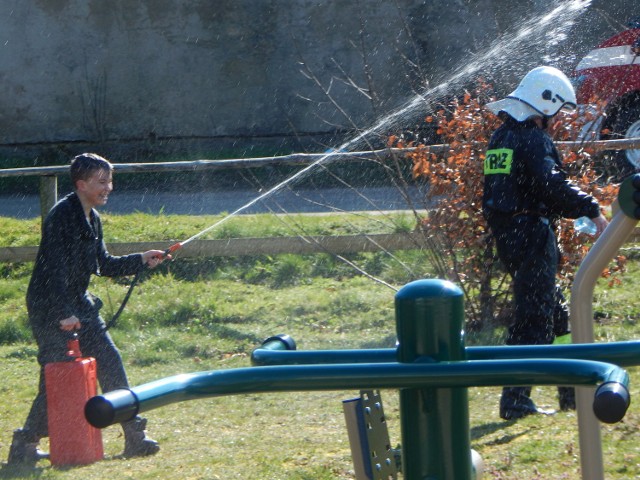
(215,202)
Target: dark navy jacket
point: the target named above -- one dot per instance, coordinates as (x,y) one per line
(71,250)
(523,174)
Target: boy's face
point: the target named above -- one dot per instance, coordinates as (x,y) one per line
(96,189)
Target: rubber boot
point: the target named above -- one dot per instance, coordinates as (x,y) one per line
(515,403)
(24,449)
(567,398)
(136,443)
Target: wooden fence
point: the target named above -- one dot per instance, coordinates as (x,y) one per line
(49,175)
(258,246)
(254,246)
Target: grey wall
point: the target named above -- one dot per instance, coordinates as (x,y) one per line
(126,71)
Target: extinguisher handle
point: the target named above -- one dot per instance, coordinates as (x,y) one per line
(73,346)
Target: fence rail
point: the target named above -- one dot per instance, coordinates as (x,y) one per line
(292,159)
(49,175)
(260,246)
(235,247)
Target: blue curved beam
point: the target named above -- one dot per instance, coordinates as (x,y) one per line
(121,405)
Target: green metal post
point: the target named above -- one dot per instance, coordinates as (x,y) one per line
(434,421)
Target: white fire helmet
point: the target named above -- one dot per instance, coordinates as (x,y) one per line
(544,91)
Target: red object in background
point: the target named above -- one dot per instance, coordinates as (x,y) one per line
(610,73)
(69,384)
(611,70)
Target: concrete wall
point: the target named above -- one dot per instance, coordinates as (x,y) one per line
(166,72)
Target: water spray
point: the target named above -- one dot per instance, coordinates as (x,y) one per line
(561,17)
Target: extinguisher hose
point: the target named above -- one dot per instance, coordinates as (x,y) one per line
(134,282)
(116,315)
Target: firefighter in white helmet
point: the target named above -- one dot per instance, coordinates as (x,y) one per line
(525,192)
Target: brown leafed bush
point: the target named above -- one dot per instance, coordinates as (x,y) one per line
(455,230)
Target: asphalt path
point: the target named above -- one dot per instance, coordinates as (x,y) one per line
(228,201)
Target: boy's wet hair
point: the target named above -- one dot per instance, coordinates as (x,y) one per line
(86,164)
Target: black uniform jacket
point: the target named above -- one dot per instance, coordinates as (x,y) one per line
(523,175)
(71,250)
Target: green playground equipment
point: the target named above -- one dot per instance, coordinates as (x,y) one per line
(431,367)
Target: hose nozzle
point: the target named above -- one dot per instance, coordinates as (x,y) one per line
(173,248)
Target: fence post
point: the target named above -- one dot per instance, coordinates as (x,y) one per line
(434,421)
(48,193)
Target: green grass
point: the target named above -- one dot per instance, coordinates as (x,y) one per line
(141,227)
(209,315)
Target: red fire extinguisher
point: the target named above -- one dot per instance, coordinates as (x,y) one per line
(69,384)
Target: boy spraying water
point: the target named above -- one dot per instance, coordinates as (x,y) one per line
(58,302)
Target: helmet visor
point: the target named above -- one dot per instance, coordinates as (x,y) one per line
(515,108)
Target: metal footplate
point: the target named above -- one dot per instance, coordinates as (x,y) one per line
(373,457)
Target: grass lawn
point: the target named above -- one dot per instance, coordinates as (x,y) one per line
(178,323)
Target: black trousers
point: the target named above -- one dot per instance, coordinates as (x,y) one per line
(95,342)
(528,249)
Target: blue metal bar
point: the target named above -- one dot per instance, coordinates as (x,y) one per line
(624,354)
(120,405)
(269,357)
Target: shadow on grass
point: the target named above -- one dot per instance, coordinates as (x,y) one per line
(490,428)
(221,331)
(386,342)
(22,471)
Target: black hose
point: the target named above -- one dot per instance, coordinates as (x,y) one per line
(116,315)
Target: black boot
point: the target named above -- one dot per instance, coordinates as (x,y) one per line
(24,449)
(136,443)
(567,398)
(515,403)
